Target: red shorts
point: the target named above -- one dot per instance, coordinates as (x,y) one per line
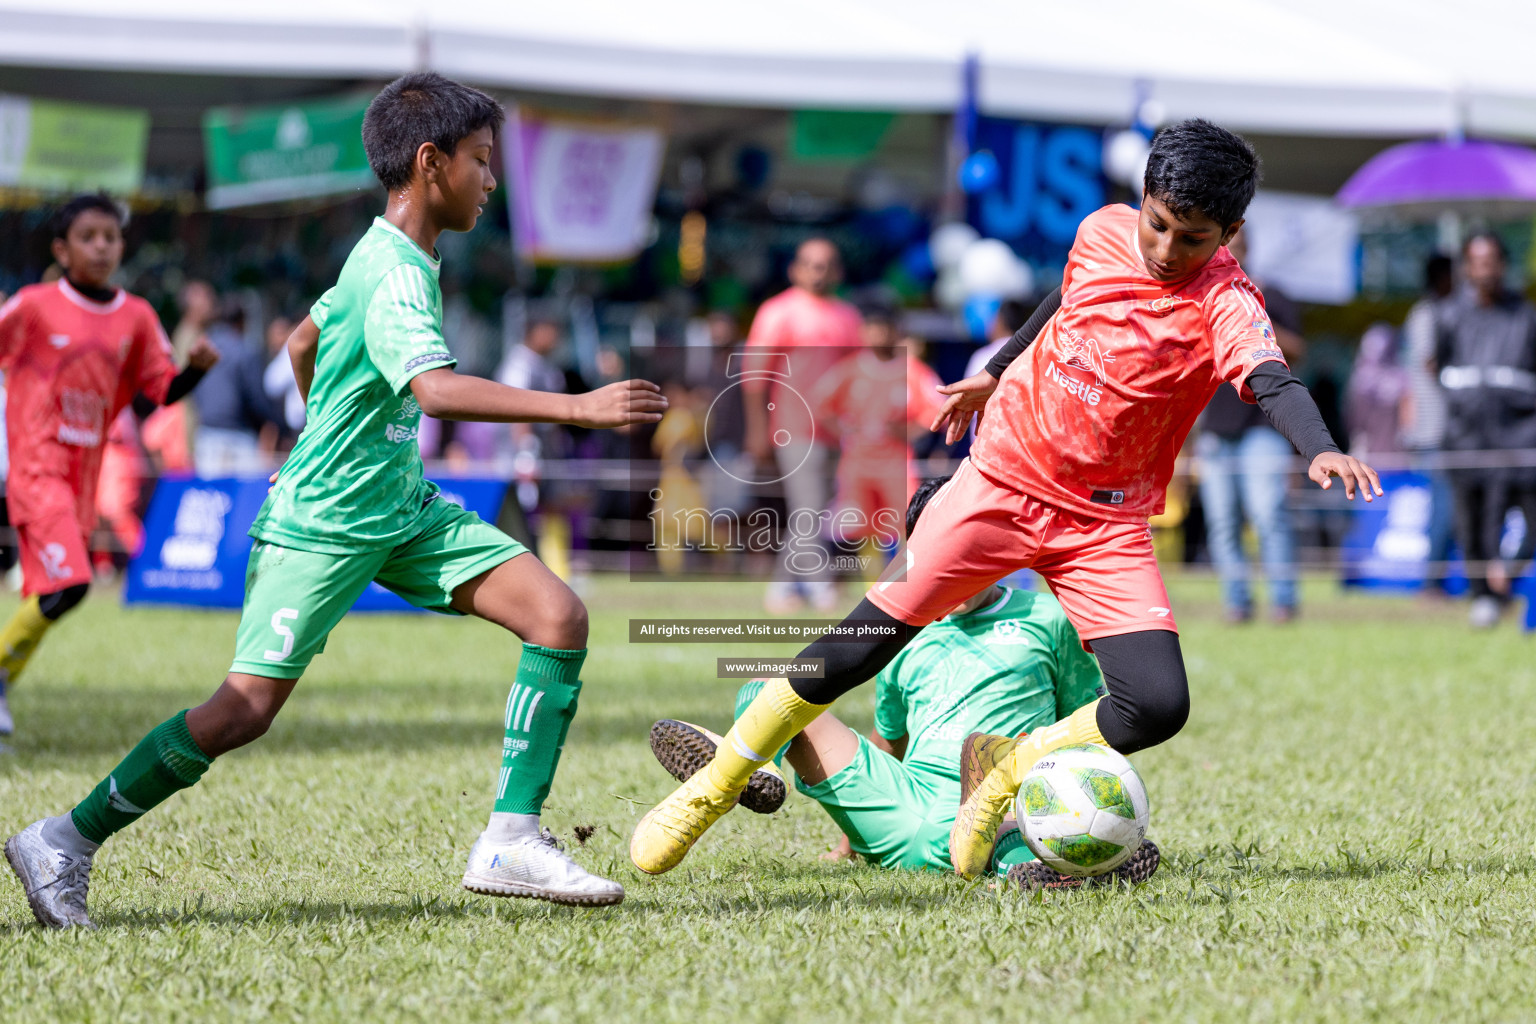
(871,498)
(974,532)
(53,553)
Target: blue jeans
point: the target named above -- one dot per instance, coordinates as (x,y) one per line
(1253,469)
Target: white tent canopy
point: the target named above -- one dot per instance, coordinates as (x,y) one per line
(1321,67)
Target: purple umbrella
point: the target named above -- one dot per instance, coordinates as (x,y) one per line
(1493,179)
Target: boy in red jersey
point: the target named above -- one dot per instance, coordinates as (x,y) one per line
(75,353)
(1073,454)
(876,398)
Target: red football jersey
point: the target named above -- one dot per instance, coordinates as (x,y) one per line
(70,366)
(808,330)
(1091,417)
(871,402)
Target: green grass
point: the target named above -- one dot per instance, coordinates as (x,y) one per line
(1347,824)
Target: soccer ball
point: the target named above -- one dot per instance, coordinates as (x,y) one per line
(1083,810)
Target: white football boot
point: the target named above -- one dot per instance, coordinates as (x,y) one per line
(55,882)
(6,725)
(536,867)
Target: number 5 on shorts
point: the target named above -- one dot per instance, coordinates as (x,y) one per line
(279,617)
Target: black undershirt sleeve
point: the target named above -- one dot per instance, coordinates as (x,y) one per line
(1290,409)
(181,386)
(1026,334)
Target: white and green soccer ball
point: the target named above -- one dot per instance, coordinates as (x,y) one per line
(1083,809)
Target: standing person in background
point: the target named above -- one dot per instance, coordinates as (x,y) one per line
(1374,398)
(1424,409)
(1011,315)
(806,325)
(724,476)
(1486,354)
(280,384)
(530,366)
(232,405)
(1245,466)
(876,402)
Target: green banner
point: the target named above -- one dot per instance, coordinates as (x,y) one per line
(269,154)
(65,147)
(836,134)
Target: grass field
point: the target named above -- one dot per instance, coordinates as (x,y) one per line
(1348,824)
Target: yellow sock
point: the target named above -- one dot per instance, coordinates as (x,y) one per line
(775,716)
(20,638)
(1082,726)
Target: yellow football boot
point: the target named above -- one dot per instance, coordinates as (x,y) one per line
(978,754)
(668,831)
(975,830)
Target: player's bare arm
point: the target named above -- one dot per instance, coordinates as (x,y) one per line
(303,343)
(447,395)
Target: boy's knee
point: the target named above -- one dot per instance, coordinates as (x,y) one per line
(565,623)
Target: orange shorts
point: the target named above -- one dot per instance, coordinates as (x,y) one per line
(974,532)
(53,553)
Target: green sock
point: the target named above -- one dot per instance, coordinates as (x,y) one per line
(166,760)
(744,697)
(1011,849)
(539,712)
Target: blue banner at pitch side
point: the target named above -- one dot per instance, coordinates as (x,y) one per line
(196,543)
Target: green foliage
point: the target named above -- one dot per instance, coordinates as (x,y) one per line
(1347,826)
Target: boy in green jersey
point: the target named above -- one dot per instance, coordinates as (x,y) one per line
(1004,662)
(351,506)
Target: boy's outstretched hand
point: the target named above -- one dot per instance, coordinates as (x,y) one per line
(966,399)
(1347,468)
(203,354)
(620,404)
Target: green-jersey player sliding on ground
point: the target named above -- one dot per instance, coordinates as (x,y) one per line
(351,506)
(1002,663)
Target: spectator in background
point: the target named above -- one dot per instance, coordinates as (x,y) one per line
(1486,354)
(1424,408)
(531,365)
(1011,315)
(169,433)
(724,477)
(232,404)
(199,305)
(807,325)
(1244,470)
(278,381)
(1375,398)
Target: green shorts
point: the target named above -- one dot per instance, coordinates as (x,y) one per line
(294,598)
(898,817)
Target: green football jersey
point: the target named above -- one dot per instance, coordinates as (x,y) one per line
(1011,666)
(354,480)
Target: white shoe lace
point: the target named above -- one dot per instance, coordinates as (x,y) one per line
(74,881)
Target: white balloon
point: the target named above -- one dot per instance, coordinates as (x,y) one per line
(989,267)
(948,242)
(1125,157)
(948,290)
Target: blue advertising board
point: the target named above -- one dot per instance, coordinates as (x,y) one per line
(1387,546)
(196,543)
(1050,177)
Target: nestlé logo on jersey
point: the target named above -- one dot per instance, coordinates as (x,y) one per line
(1084,353)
